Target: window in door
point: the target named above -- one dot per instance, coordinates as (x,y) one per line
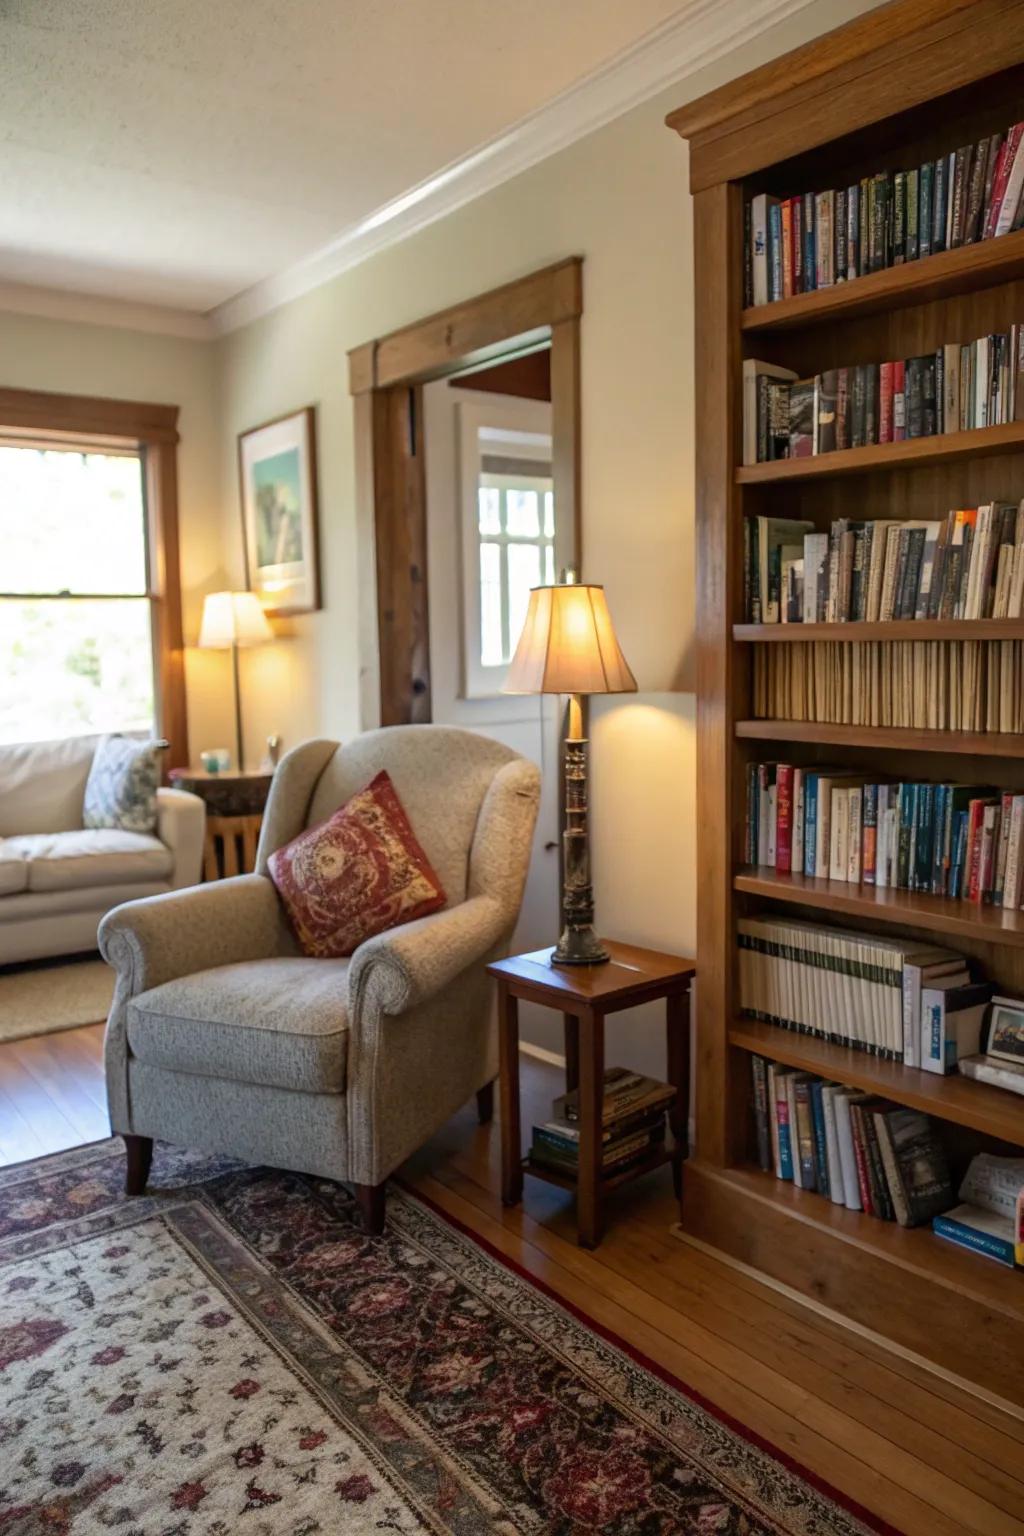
(76,594)
(508,541)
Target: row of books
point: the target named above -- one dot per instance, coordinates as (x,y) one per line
(956,840)
(816,239)
(857,1150)
(894,997)
(967,565)
(633,1125)
(934,685)
(961,386)
(865,1153)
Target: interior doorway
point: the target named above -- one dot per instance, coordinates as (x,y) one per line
(467,468)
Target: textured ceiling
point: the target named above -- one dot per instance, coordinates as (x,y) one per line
(177,151)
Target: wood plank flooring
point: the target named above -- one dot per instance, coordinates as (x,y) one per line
(929,1457)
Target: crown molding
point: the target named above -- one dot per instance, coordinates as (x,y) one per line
(694,38)
(92,309)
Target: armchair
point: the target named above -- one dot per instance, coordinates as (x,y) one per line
(223,1036)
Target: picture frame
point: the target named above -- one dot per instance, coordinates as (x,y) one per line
(1006,1030)
(277,473)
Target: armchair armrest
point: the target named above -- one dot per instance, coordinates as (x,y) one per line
(181,825)
(162,937)
(407,965)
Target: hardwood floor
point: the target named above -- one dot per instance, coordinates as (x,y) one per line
(915,1448)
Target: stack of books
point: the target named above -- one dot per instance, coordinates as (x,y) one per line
(633,1124)
(894,997)
(967,565)
(958,840)
(797,244)
(934,685)
(854,1148)
(990,1217)
(961,386)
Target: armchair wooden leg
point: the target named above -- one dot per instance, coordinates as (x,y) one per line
(371,1207)
(485,1104)
(139,1157)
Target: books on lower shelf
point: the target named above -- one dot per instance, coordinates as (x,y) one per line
(856,1149)
(817,239)
(988,1218)
(633,1124)
(962,841)
(865,1153)
(957,388)
(893,997)
(968,564)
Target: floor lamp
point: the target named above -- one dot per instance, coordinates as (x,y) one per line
(568,645)
(231,620)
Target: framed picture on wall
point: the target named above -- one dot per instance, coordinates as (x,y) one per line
(277,470)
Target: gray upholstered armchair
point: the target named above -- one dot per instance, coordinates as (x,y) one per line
(222,1036)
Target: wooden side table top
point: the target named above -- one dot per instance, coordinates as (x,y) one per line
(630,977)
(234,793)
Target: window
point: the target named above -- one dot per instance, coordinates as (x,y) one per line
(508,536)
(76,596)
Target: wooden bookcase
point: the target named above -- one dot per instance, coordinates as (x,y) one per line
(905,83)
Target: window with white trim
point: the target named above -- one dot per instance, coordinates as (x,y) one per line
(508,542)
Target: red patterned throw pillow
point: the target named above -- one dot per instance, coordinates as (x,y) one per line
(356,874)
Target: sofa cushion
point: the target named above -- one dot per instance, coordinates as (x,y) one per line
(42,784)
(281,1022)
(357,874)
(59,861)
(123,780)
(13,869)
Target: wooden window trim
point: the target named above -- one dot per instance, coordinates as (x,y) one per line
(151,430)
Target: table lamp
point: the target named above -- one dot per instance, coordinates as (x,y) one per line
(230,620)
(568,645)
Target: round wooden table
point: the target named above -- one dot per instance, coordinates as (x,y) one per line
(234,814)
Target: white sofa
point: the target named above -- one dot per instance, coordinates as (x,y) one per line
(57,878)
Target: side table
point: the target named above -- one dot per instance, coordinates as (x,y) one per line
(585,995)
(234,814)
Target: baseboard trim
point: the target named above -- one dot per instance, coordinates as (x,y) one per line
(802,1299)
(538,1053)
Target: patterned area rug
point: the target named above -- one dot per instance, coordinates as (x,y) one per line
(230,1354)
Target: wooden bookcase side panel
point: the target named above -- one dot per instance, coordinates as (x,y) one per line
(722,671)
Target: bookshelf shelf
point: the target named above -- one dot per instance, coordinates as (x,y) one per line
(915,1250)
(977,1105)
(916,909)
(966,270)
(896,629)
(912,453)
(969,743)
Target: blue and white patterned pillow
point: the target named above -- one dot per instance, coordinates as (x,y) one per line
(122,784)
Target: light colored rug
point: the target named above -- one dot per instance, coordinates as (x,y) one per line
(40,1000)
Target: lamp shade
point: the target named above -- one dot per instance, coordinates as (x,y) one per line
(568,645)
(233,618)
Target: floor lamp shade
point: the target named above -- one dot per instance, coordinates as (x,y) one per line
(231,620)
(568,645)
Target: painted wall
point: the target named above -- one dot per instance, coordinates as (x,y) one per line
(620,199)
(74,358)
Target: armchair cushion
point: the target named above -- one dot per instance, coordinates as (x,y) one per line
(281,1022)
(355,875)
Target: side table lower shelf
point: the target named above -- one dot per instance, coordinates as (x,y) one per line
(673,1155)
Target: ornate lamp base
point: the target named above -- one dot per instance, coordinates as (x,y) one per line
(579,944)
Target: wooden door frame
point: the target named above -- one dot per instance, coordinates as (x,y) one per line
(152,430)
(386,378)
